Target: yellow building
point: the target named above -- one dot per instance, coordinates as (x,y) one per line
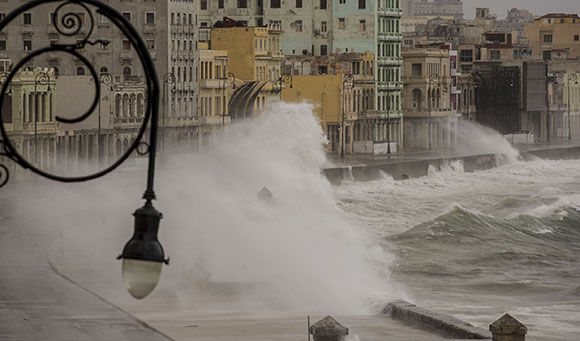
(255,57)
(555,34)
(214,86)
(324,92)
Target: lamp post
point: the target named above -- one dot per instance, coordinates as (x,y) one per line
(168,79)
(284,79)
(230,78)
(106,79)
(42,78)
(348,79)
(432,78)
(143,254)
(571,77)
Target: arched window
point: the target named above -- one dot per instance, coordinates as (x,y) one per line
(125,105)
(56,72)
(437,99)
(140,105)
(417,99)
(132,105)
(80,71)
(118,106)
(126,71)
(104,70)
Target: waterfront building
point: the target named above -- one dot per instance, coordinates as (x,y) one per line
(215,90)
(328,97)
(325,27)
(429,121)
(255,59)
(555,34)
(28,114)
(418,8)
(361,119)
(169,30)
(559,89)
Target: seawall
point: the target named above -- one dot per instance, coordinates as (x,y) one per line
(409,168)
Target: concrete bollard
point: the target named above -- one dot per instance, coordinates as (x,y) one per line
(507,328)
(328,329)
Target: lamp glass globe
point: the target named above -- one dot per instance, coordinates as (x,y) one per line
(140,276)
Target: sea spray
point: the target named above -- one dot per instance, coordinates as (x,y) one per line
(295,253)
(474,138)
(475,245)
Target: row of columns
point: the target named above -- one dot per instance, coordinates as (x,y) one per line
(39,105)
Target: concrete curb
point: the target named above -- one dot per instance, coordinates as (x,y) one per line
(440,324)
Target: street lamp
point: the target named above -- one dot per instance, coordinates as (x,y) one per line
(230,78)
(432,78)
(348,79)
(42,78)
(168,79)
(571,77)
(106,79)
(143,255)
(284,79)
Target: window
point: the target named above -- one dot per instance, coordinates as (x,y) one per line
(80,71)
(562,21)
(322,4)
(2,16)
(150,44)
(341,23)
(127,16)
(203,4)
(342,1)
(495,55)
(2,45)
(274,3)
(104,70)
(220,3)
(242,3)
(126,45)
(362,4)
(466,55)
(323,27)
(298,3)
(298,26)
(323,50)
(548,38)
(416,70)
(53,18)
(27,45)
(362,25)
(576,38)
(150,18)
(27,18)
(127,71)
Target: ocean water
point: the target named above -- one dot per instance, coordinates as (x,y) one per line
(473,245)
(477,245)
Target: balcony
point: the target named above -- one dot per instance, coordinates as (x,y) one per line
(389,85)
(396,12)
(211,83)
(390,36)
(390,60)
(277,54)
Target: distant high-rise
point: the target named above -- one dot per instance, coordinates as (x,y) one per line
(424,8)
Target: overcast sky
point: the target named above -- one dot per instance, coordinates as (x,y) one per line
(538,7)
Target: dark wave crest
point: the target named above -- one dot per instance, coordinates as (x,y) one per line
(483,251)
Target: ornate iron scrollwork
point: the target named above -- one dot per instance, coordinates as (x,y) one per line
(68,22)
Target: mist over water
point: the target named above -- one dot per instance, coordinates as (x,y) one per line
(473,245)
(295,253)
(477,245)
